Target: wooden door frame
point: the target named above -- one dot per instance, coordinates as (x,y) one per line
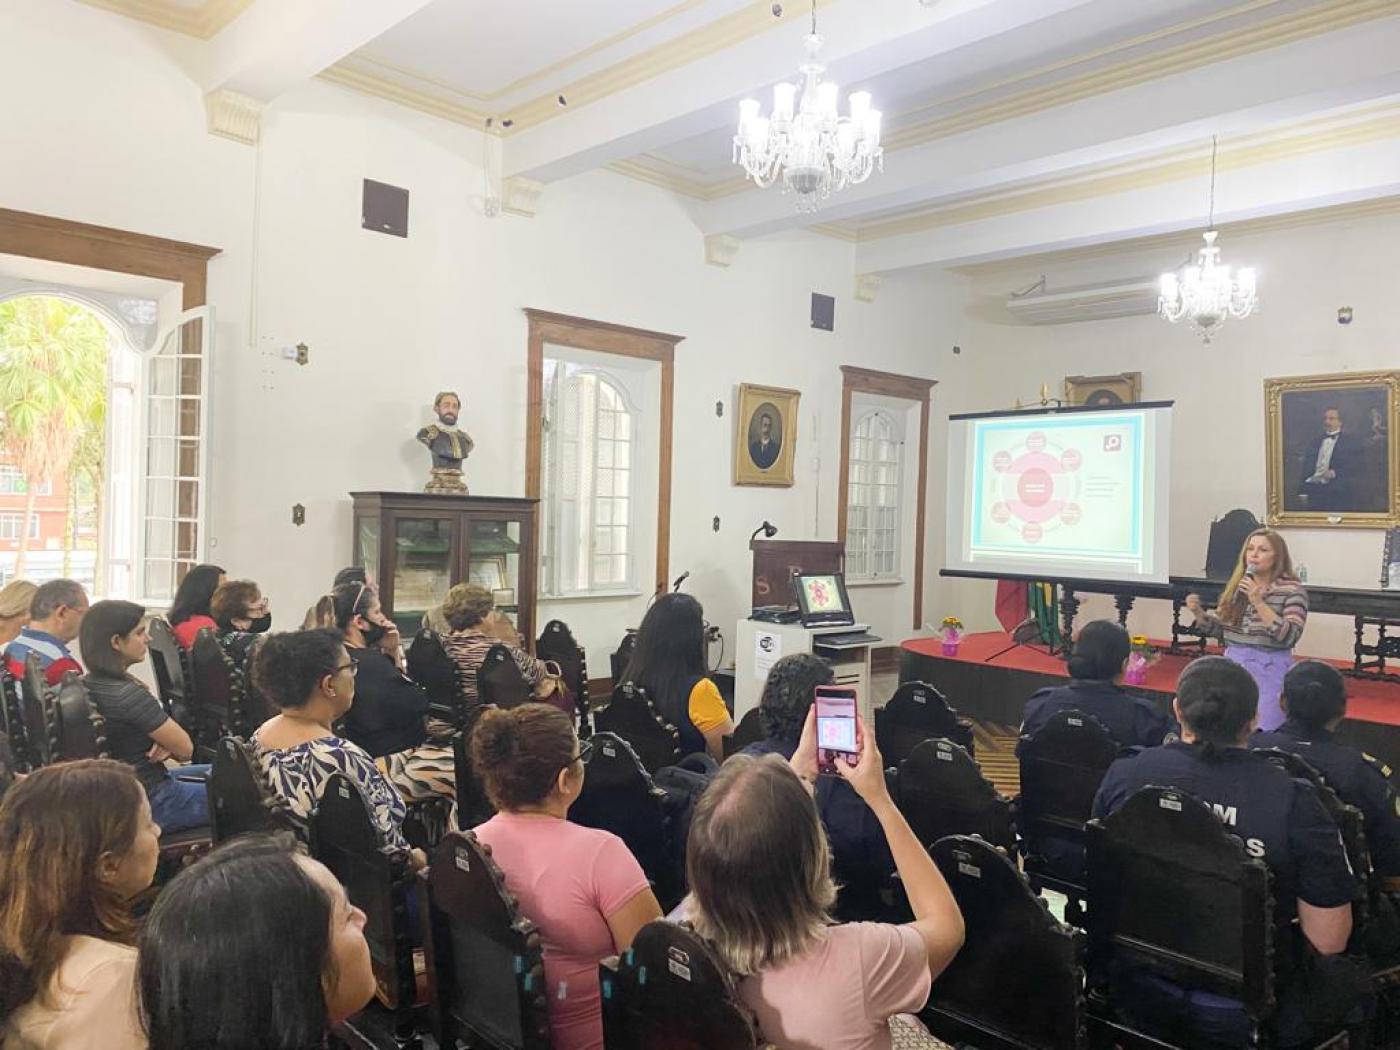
(907,388)
(603,337)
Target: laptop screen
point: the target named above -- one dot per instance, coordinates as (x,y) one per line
(822,598)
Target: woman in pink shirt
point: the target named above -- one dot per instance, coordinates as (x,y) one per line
(761,890)
(582,887)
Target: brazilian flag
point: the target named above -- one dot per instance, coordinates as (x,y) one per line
(1042,601)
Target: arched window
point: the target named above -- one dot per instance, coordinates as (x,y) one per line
(587,480)
(874,497)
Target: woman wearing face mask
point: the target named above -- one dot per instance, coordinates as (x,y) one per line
(1260,618)
(76,844)
(139,732)
(242,613)
(389,711)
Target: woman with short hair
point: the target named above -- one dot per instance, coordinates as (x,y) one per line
(113,639)
(311,678)
(15,599)
(760,888)
(669,663)
(581,886)
(77,843)
(255,945)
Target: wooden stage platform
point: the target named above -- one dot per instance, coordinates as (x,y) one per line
(994,688)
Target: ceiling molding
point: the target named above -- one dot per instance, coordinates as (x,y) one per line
(1186,240)
(840,231)
(204,21)
(1168,166)
(693,188)
(433,105)
(1326,17)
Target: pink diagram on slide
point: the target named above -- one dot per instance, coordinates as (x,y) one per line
(1036,487)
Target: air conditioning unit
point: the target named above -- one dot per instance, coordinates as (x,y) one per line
(1089,302)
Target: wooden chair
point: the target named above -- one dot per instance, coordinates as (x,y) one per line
(557,644)
(632,716)
(1017,982)
(669,991)
(942,792)
(473,805)
(214,708)
(622,655)
(241,802)
(487,956)
(77,728)
(431,667)
(499,681)
(1062,766)
(1172,893)
(378,881)
(917,712)
(36,748)
(619,796)
(748,731)
(11,720)
(171,666)
(7,765)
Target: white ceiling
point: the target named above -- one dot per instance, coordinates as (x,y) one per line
(1011,126)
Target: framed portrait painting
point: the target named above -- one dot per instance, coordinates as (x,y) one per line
(765,435)
(1332,451)
(1124,388)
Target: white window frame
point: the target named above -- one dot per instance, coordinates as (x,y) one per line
(562,361)
(13,521)
(12,482)
(860,568)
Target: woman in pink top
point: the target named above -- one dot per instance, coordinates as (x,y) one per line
(76,844)
(582,887)
(758,865)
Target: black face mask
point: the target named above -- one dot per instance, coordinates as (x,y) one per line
(261,624)
(374,632)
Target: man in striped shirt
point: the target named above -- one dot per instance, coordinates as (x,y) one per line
(54,617)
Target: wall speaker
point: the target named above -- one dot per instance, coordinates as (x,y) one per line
(823,312)
(384,208)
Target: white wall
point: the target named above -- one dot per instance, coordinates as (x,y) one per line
(115,135)
(1305,273)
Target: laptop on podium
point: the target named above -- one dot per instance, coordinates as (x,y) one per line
(825,607)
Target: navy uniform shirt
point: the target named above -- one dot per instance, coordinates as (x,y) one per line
(1280,820)
(1133,721)
(1357,778)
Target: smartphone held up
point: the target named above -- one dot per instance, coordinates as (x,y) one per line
(837,737)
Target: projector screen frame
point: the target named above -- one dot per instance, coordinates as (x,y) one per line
(1061,410)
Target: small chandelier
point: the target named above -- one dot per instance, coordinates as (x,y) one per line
(1205,294)
(814,149)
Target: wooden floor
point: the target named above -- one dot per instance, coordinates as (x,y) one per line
(996,755)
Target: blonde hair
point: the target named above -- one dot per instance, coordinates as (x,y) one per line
(15,599)
(758,865)
(466,605)
(1230,610)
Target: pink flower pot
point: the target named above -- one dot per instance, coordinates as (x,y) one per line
(950,648)
(1136,671)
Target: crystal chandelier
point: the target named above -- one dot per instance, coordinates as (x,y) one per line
(1205,294)
(814,149)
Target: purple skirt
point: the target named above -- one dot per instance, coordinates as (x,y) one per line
(1267,667)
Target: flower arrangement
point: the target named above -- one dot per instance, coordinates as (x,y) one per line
(952,631)
(1141,655)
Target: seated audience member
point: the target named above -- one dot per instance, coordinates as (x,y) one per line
(189,611)
(55,614)
(1314,703)
(311,678)
(389,709)
(581,886)
(241,612)
(1100,653)
(860,857)
(470,611)
(255,945)
(1279,819)
(76,844)
(16,598)
(760,889)
(349,574)
(669,663)
(139,732)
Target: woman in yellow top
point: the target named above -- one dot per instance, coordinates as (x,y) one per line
(669,663)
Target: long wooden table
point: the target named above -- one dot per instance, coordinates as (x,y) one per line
(1367,608)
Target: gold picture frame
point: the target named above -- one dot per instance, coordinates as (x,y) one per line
(1359,487)
(1122,388)
(765,451)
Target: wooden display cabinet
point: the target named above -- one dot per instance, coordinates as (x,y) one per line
(417,545)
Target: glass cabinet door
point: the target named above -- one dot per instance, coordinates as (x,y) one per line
(493,560)
(367,545)
(422,568)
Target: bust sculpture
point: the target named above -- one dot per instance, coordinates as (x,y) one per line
(448,445)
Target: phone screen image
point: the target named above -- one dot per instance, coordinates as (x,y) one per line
(836,725)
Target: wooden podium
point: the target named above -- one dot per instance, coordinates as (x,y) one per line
(774,562)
